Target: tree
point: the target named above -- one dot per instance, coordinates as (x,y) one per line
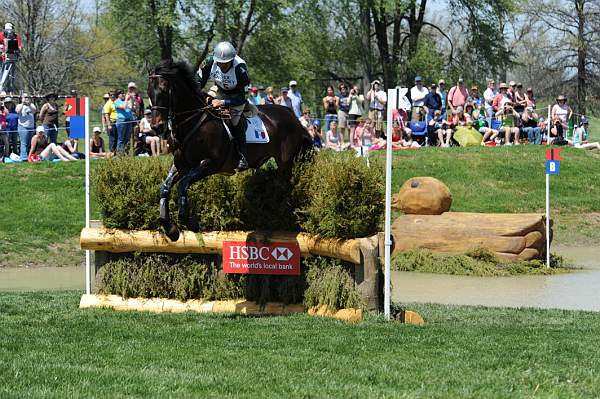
(48,30)
(575,27)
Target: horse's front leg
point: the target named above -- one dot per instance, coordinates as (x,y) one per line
(170,228)
(190,178)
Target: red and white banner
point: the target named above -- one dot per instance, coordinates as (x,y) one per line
(243,257)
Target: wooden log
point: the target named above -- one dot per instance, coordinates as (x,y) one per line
(448,243)
(163,305)
(511,236)
(117,240)
(367,274)
(463,222)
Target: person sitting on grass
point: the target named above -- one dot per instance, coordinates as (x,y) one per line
(480,123)
(436,128)
(42,151)
(147,135)
(334,139)
(580,136)
(561,113)
(97,145)
(70,145)
(508,116)
(529,119)
(314,129)
(364,133)
(458,118)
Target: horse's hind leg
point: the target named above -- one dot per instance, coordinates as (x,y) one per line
(169,227)
(190,178)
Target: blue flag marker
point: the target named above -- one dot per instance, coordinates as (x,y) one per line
(552,167)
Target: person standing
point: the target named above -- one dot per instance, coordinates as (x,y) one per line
(377,100)
(269,98)
(136,102)
(124,121)
(432,102)
(26,111)
(284,99)
(109,121)
(254,98)
(343,109)
(296,98)
(331,104)
(49,117)
(443,95)
(356,110)
(12,125)
(417,97)
(457,96)
(488,97)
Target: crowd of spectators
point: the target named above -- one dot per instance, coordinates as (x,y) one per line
(501,115)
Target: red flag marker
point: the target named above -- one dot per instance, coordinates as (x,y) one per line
(553,154)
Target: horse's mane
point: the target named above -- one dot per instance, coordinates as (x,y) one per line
(182,70)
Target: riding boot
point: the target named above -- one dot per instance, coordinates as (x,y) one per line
(240,146)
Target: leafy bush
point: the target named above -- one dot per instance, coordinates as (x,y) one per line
(334,195)
(330,284)
(340,196)
(323,281)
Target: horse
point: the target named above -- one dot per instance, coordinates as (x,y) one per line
(200,142)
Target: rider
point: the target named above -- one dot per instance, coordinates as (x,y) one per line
(230,74)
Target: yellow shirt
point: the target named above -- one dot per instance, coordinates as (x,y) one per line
(109,108)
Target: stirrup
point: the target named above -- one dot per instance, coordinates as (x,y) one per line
(242,163)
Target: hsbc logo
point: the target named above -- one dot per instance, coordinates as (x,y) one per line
(282,254)
(261,258)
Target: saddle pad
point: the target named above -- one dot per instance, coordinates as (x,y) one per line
(256,132)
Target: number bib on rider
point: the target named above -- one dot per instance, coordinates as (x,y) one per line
(225,80)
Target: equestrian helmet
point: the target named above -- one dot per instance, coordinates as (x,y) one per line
(224,52)
(8,26)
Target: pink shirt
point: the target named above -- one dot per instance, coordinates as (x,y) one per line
(458,96)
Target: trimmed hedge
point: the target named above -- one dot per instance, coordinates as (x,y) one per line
(334,195)
(323,281)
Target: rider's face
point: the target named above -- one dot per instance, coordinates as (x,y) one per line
(224,66)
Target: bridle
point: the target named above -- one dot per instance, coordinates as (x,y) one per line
(172,122)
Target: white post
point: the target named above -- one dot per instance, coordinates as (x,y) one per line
(548,124)
(392,95)
(88,274)
(547,220)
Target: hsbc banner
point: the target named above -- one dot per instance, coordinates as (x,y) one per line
(243,257)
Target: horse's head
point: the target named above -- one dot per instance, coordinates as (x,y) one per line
(160,94)
(168,84)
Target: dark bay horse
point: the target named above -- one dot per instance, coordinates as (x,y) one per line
(199,140)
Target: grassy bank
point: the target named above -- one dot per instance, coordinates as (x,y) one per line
(43,206)
(52,349)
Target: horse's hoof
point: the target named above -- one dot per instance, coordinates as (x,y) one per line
(193,224)
(173,232)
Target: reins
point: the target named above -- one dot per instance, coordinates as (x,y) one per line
(172,122)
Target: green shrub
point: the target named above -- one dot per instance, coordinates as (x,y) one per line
(323,281)
(168,276)
(334,195)
(127,191)
(476,262)
(330,284)
(340,196)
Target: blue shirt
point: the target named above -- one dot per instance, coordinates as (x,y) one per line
(433,101)
(12,122)
(296,98)
(123,114)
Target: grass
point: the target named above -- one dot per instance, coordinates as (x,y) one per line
(49,348)
(478,262)
(43,204)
